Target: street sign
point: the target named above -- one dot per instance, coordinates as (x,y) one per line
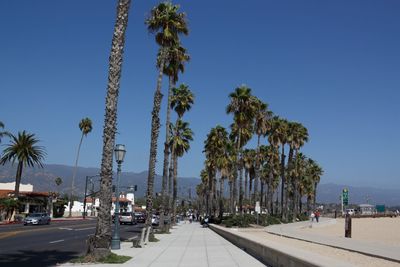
(258,208)
(345,197)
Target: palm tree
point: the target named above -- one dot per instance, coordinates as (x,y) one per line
(167,23)
(58,182)
(242,106)
(297,136)
(3,133)
(180,142)
(99,244)
(217,159)
(175,63)
(23,149)
(261,127)
(182,100)
(85,125)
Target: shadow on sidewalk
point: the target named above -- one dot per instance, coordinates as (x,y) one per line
(36,258)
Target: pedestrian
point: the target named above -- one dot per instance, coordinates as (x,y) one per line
(312,216)
(317,214)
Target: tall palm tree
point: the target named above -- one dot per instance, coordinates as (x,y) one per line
(99,244)
(167,24)
(297,136)
(23,149)
(180,141)
(85,125)
(242,106)
(174,63)
(261,127)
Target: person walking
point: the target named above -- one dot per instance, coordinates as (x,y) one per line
(317,214)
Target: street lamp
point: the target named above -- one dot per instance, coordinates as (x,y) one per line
(119,157)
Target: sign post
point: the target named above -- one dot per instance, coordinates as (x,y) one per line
(345,198)
(258,209)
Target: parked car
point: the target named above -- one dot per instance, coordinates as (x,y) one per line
(140,217)
(155,220)
(37,218)
(127,217)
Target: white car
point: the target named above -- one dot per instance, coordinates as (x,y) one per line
(37,218)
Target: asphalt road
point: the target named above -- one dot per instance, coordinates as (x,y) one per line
(47,245)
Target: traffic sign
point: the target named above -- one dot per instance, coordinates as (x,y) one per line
(345,197)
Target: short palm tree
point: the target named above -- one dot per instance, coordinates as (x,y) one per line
(167,24)
(85,125)
(182,100)
(99,243)
(23,149)
(180,142)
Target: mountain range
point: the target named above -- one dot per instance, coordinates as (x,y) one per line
(43,179)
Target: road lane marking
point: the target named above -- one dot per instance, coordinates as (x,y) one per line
(8,234)
(87,228)
(65,228)
(57,241)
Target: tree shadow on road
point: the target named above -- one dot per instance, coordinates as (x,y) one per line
(36,258)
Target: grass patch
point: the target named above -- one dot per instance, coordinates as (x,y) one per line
(152,238)
(244,220)
(112,258)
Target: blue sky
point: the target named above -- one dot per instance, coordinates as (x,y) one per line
(333,66)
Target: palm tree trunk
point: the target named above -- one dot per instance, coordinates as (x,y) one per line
(235,193)
(73,177)
(315,194)
(99,244)
(230,196)
(155,130)
(18,179)
(257,173)
(246,181)
(283,188)
(270,193)
(175,193)
(239,167)
(261,194)
(221,197)
(164,202)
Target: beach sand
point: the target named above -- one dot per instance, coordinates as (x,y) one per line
(381,230)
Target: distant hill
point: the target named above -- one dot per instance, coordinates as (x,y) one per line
(43,180)
(329,193)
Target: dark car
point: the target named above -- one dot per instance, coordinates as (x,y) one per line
(37,218)
(140,217)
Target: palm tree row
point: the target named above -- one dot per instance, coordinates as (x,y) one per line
(265,167)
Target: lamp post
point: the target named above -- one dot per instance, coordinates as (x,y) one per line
(119,157)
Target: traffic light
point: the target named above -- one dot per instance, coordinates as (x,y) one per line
(135,188)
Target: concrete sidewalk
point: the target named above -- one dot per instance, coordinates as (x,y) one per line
(293,230)
(187,245)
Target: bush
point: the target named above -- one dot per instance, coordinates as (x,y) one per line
(246,219)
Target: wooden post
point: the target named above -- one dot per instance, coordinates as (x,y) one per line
(347,226)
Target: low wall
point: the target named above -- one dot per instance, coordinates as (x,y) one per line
(275,257)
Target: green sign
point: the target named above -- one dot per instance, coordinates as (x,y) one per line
(345,197)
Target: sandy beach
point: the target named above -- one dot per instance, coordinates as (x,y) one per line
(381,230)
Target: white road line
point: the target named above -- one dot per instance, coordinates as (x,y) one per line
(81,229)
(57,241)
(65,228)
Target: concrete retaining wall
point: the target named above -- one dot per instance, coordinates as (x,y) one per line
(274,256)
